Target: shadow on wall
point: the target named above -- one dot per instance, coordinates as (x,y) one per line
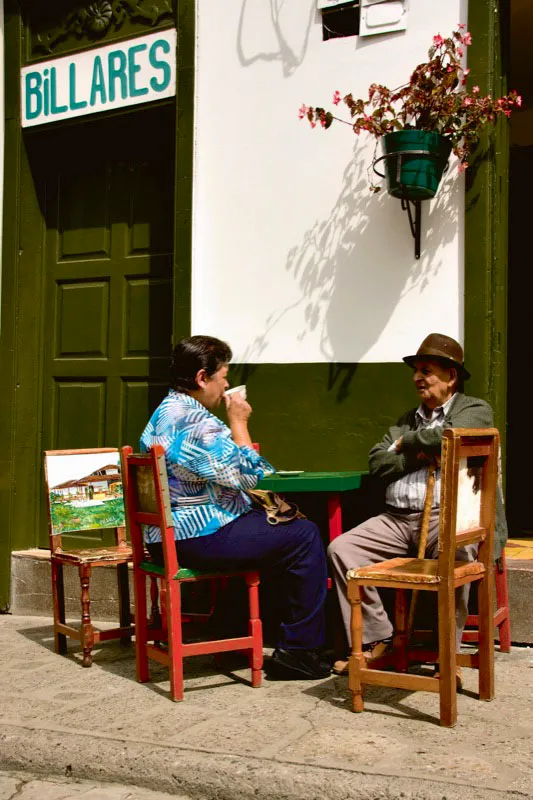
(354,268)
(265,26)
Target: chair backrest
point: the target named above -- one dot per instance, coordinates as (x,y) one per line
(148,503)
(469,462)
(84,492)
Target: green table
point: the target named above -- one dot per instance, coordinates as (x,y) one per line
(333,483)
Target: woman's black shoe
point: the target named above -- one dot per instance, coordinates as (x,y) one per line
(297,665)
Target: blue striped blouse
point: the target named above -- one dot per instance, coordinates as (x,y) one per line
(207,471)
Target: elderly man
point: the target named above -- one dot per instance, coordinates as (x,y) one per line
(401,460)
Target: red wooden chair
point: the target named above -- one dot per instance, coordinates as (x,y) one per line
(501,618)
(61,496)
(148,503)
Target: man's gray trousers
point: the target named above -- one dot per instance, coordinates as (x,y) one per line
(389,535)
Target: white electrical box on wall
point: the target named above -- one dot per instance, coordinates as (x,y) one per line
(323,5)
(383,16)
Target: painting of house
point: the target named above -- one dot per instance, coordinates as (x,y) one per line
(101,485)
(84,490)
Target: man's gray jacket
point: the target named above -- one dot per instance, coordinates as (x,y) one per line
(465,412)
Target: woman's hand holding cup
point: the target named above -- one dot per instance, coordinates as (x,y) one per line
(238,409)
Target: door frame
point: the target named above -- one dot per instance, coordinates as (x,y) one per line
(486,217)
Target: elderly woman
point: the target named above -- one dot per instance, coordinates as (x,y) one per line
(209,468)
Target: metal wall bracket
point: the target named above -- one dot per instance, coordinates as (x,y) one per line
(415,217)
(416,223)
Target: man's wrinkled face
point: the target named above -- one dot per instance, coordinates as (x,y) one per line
(435,383)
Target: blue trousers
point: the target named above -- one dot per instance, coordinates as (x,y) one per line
(292,553)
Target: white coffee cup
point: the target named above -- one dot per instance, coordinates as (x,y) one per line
(237,390)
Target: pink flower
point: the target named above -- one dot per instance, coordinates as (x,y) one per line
(336,98)
(467,38)
(461,26)
(323,120)
(462,166)
(438,40)
(466,71)
(313,124)
(507,113)
(467,101)
(302,111)
(460,52)
(475,89)
(518,100)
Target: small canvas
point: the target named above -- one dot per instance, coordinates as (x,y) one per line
(84,491)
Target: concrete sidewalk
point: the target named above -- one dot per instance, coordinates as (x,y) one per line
(21,786)
(290,740)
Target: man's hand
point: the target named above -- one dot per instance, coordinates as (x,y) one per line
(421,456)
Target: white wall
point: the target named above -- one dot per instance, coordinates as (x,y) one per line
(294,260)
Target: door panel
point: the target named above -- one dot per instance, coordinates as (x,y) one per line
(108,199)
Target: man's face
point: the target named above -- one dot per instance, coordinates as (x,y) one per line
(435,383)
(213,387)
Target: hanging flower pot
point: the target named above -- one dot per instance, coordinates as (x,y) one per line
(412,119)
(415,161)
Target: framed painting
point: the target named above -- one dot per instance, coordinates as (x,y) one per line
(84,489)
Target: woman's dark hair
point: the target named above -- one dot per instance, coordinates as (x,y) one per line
(193,354)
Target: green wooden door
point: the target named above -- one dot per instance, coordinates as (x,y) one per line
(107,190)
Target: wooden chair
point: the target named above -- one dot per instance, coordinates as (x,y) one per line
(501,618)
(148,503)
(84,494)
(469,465)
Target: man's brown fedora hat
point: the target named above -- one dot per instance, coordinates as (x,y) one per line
(442,347)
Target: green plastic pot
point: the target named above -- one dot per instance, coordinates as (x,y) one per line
(415,161)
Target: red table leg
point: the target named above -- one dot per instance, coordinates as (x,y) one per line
(335,520)
(335,529)
(334,516)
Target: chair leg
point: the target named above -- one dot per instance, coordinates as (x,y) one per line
(155,615)
(255,630)
(486,637)
(124,602)
(172,596)
(87,630)
(447,657)
(400,631)
(502,602)
(356,661)
(58,599)
(163,606)
(141,627)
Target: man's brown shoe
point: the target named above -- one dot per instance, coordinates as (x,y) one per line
(340,667)
(371,651)
(458,677)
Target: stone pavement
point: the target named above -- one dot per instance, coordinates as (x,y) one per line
(287,740)
(20,786)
